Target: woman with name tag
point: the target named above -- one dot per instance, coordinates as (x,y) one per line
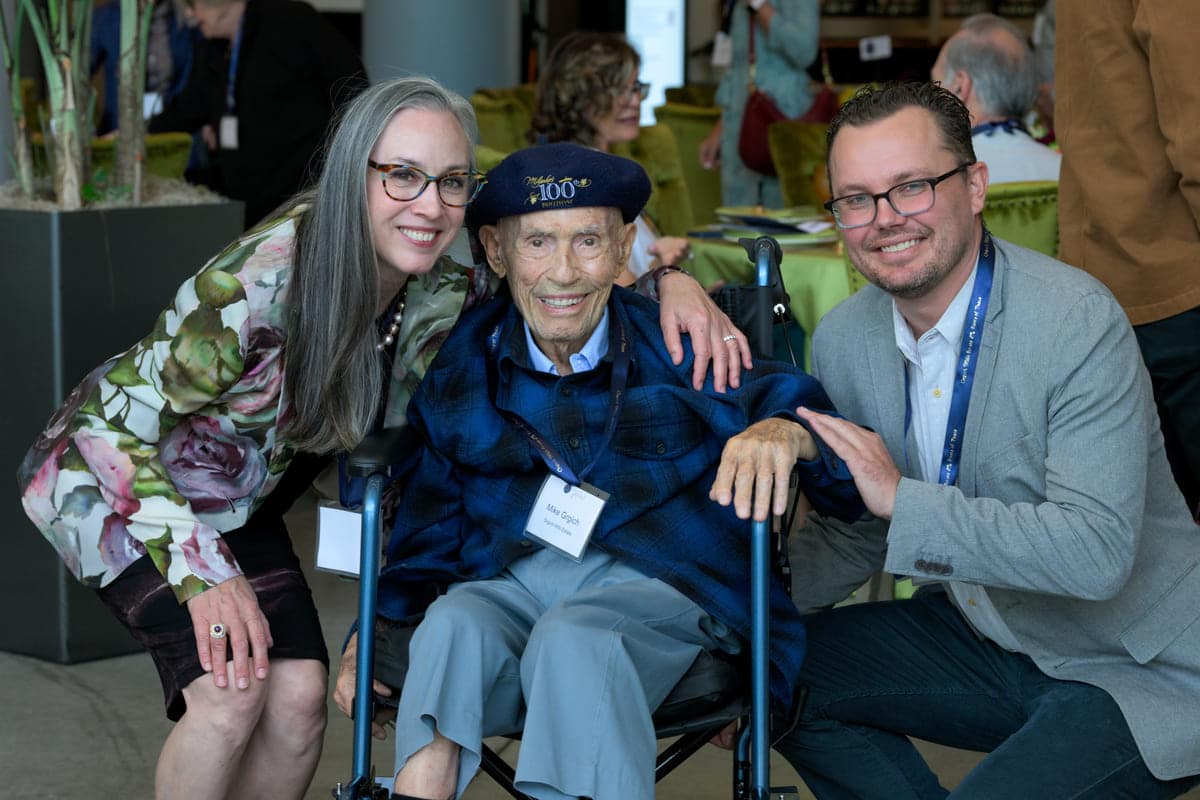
(163,480)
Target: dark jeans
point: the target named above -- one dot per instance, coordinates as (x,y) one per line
(879,672)
(1171,350)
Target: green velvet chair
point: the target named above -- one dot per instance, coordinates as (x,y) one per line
(670,204)
(486,158)
(692,94)
(1025,213)
(798,149)
(166,155)
(504,116)
(690,124)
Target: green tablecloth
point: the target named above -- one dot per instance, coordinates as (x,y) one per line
(816,278)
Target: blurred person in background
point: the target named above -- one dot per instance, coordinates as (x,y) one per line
(988,65)
(589,93)
(1126,111)
(786,43)
(266,82)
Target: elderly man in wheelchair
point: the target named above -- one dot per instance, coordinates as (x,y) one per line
(556,534)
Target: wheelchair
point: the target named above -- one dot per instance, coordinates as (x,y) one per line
(717,690)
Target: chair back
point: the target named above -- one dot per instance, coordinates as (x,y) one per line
(1025,213)
(692,94)
(670,204)
(690,124)
(798,150)
(166,154)
(504,116)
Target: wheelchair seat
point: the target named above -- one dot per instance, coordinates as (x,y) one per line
(711,693)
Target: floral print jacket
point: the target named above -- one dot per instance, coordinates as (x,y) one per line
(167,445)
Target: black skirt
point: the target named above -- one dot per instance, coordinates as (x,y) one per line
(143,602)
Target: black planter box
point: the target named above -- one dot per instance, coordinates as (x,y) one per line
(78,287)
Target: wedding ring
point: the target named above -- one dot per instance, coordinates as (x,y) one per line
(216,630)
(729,338)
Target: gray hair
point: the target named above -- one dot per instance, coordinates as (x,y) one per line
(333,372)
(1003,72)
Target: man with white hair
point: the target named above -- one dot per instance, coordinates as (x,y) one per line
(989,66)
(571,532)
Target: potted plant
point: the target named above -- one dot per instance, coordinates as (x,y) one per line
(87,267)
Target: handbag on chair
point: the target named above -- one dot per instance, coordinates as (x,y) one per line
(760,112)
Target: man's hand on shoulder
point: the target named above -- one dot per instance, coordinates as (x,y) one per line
(756,465)
(865,455)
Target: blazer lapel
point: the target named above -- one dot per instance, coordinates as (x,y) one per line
(886,366)
(985,370)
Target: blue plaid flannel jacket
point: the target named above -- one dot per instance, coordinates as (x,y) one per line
(467,494)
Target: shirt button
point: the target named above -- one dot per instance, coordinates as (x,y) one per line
(573,441)
(661,448)
(937,392)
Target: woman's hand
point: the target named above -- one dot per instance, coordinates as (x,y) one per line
(687,308)
(233,606)
(710,148)
(343,688)
(670,250)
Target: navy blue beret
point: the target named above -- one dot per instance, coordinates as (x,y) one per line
(556,176)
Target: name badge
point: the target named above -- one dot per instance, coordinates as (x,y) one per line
(564,516)
(339,540)
(722,54)
(229,132)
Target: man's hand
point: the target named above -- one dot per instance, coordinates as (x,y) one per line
(756,464)
(234,606)
(686,307)
(866,456)
(343,689)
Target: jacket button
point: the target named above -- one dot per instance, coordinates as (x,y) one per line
(573,441)
(661,448)
(526,544)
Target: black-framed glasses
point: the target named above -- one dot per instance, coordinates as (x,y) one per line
(405,182)
(906,199)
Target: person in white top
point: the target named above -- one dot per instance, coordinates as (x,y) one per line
(990,67)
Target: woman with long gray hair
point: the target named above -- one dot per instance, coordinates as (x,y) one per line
(163,480)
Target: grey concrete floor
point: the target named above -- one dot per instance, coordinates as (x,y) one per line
(93,730)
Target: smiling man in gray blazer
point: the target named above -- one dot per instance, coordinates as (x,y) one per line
(1009,451)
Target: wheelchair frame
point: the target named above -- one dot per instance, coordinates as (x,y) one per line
(751,768)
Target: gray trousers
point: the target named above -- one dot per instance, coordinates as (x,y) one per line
(576,655)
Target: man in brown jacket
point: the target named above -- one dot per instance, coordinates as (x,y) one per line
(1126,116)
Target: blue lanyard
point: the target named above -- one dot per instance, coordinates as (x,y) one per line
(231,81)
(1006,125)
(616,392)
(968,358)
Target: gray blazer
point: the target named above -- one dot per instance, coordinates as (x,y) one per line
(1065,506)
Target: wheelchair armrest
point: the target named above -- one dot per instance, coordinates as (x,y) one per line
(379,450)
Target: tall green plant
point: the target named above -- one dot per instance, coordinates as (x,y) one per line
(11,52)
(62,29)
(131,141)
